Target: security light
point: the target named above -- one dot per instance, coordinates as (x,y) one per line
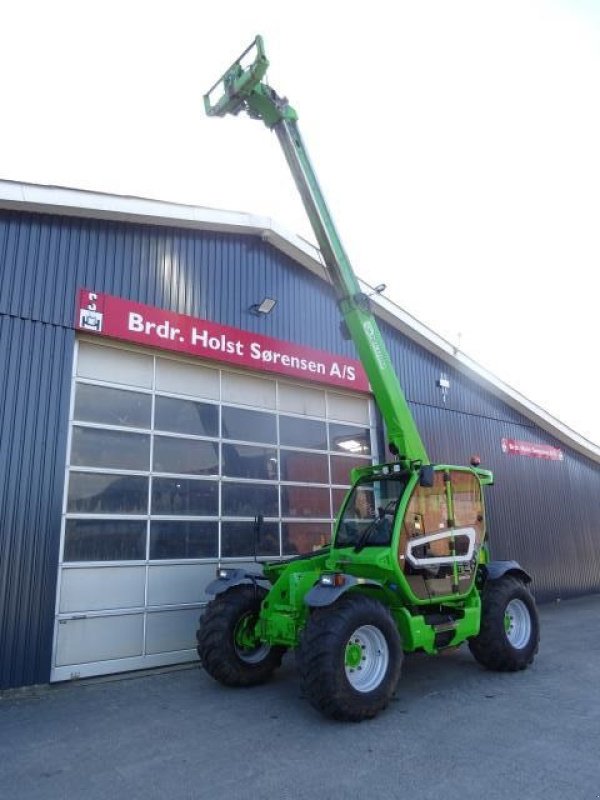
(264,307)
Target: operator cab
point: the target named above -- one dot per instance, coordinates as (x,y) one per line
(435,522)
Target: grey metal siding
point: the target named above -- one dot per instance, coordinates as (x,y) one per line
(209,275)
(34,399)
(544,513)
(419,372)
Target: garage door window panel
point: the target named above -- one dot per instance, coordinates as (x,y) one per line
(174,539)
(183,497)
(105,540)
(244,425)
(304,467)
(185,416)
(305,501)
(92,493)
(247,461)
(249,499)
(304,537)
(192,380)
(185,456)
(238,539)
(114,365)
(95,447)
(301,400)
(349,439)
(341,466)
(110,406)
(308,433)
(349,408)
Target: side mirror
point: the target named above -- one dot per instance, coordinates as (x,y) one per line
(426,477)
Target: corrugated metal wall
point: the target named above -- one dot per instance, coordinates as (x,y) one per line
(208,275)
(34,400)
(544,513)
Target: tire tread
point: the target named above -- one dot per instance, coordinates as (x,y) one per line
(323,676)
(491,646)
(215,644)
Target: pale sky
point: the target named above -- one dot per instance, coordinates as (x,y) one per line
(458,145)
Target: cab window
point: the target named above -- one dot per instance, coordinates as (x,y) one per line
(441,511)
(468,503)
(368,515)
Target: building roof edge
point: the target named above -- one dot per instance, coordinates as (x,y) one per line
(15,195)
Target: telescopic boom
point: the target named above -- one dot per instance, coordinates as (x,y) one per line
(242,88)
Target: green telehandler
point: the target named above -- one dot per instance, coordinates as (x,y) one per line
(408,566)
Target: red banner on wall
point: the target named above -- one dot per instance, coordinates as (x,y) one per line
(515,447)
(105,315)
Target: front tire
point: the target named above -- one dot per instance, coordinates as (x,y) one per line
(350,658)
(509,635)
(224,639)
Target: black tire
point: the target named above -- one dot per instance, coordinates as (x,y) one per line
(509,635)
(221,657)
(331,683)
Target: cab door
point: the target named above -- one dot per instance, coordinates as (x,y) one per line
(442,533)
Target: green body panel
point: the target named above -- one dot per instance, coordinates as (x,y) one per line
(417,634)
(284,612)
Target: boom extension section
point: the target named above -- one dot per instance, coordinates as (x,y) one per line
(242,89)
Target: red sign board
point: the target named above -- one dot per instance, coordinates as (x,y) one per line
(105,315)
(515,447)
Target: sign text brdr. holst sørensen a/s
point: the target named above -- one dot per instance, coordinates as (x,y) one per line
(117,318)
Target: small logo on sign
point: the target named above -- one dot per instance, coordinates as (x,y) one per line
(90,320)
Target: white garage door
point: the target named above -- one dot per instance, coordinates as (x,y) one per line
(169,461)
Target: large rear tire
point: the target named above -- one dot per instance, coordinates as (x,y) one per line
(509,635)
(350,658)
(224,639)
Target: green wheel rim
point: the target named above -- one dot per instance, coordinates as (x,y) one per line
(247,647)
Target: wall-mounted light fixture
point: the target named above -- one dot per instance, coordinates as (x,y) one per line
(444,384)
(264,307)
